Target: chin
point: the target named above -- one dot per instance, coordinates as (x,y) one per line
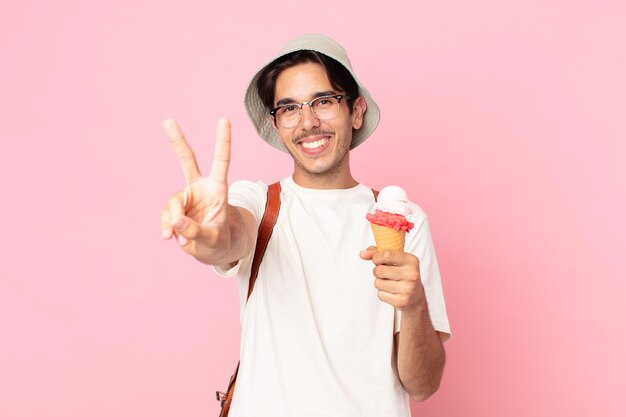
(328,168)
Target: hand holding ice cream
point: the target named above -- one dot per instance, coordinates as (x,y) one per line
(397,272)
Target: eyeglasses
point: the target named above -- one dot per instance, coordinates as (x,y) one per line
(324,108)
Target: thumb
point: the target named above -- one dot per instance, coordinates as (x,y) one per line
(186,229)
(368,253)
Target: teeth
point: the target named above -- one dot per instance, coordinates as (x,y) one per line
(314,145)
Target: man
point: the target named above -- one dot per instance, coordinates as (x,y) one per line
(322,335)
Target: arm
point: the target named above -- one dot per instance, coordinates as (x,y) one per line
(419,352)
(199,216)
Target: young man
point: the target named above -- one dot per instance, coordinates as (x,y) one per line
(322,335)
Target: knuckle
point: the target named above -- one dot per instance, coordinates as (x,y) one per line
(187,157)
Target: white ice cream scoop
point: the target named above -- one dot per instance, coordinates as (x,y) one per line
(393,199)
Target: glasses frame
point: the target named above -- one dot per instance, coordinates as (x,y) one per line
(338,97)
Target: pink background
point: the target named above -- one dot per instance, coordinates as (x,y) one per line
(510,120)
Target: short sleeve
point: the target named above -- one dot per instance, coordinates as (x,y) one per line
(420,243)
(251,196)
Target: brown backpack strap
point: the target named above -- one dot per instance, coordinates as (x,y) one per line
(272,207)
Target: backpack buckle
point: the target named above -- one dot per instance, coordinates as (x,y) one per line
(221,396)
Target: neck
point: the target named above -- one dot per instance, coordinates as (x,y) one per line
(323,182)
(338,178)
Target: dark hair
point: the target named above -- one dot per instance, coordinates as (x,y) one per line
(339,77)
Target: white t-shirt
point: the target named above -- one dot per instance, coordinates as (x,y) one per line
(316,339)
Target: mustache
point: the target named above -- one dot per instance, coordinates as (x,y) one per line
(318,132)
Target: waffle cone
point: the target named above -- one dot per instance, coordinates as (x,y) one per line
(388,238)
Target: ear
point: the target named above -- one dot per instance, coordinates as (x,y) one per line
(273,122)
(358,110)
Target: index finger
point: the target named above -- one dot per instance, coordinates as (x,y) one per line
(389,257)
(183,150)
(221,157)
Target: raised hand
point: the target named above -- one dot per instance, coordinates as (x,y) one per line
(197,215)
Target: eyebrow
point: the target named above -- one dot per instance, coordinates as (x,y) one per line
(289,100)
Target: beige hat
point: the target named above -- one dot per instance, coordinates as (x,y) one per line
(312,42)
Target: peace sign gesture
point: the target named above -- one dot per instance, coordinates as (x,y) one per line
(198,214)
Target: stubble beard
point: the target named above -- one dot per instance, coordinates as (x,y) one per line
(334,168)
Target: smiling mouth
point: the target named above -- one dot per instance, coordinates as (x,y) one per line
(317,144)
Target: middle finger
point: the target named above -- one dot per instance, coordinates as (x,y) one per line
(183,150)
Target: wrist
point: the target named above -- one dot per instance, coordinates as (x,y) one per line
(415,311)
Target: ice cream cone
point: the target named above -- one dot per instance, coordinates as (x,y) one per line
(388,238)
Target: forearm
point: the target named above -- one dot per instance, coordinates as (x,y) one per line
(421,356)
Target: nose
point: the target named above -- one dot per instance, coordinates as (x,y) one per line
(309,119)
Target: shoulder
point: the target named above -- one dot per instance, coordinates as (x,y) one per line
(242,186)
(418,214)
(250,195)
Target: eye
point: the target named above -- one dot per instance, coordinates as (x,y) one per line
(323,102)
(289,109)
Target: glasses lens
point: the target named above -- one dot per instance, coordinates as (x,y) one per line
(325,107)
(288,116)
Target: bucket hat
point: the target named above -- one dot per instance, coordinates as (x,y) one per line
(259,114)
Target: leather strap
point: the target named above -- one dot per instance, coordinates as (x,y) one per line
(272,207)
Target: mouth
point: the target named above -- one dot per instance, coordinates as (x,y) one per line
(314,145)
